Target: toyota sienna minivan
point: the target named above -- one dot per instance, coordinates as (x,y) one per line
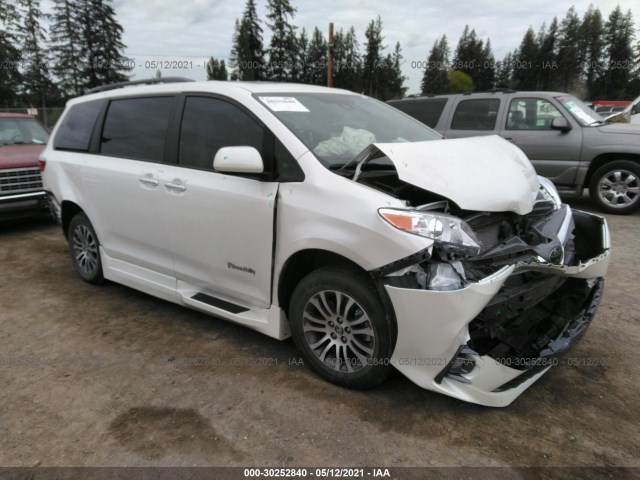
(335,219)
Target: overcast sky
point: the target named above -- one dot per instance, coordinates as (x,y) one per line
(193,30)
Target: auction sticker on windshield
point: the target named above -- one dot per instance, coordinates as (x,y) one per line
(283,104)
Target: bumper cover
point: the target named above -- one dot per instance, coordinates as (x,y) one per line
(433,326)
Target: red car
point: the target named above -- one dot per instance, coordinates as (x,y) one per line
(22,139)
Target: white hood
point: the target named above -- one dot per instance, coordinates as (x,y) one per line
(479,173)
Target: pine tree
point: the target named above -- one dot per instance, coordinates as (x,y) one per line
(247,51)
(216,70)
(347,61)
(570,58)
(504,72)
(472,58)
(37,86)
(283,47)
(395,84)
(487,71)
(619,37)
(317,59)
(65,45)
(435,79)
(302,57)
(524,63)
(10,76)
(592,45)
(547,56)
(373,61)
(101,45)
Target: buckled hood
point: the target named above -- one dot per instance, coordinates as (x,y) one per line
(479,173)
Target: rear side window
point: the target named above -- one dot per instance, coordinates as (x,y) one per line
(426,110)
(74,133)
(480,114)
(137,128)
(208,124)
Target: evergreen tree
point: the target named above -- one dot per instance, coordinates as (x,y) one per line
(101,45)
(10,76)
(317,59)
(37,86)
(619,37)
(347,61)
(472,58)
(216,70)
(487,71)
(592,45)
(547,57)
(247,51)
(283,47)
(524,73)
(570,58)
(373,61)
(65,45)
(504,72)
(394,85)
(435,79)
(302,57)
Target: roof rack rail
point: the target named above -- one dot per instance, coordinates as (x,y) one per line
(501,90)
(147,81)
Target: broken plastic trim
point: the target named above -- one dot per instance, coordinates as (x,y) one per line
(416,258)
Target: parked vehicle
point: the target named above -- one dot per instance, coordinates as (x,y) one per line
(22,139)
(335,219)
(565,140)
(630,114)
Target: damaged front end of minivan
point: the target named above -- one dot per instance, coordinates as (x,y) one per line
(501,294)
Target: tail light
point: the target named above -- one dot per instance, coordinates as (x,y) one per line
(42,164)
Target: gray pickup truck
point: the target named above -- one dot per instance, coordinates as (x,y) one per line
(565,140)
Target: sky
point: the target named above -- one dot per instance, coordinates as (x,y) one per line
(167,33)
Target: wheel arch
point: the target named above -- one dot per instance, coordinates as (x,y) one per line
(68,210)
(303,262)
(605,158)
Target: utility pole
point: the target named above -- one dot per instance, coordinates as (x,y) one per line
(330,58)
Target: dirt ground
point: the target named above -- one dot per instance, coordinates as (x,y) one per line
(103,376)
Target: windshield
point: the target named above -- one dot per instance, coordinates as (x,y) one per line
(584,115)
(337,127)
(22,131)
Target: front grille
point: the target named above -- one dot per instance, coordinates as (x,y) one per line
(20,180)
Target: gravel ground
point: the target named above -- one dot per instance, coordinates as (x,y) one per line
(101,376)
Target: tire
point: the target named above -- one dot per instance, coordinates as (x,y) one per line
(340,326)
(615,187)
(84,249)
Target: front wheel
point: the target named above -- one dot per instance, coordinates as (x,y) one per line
(85,249)
(340,326)
(615,187)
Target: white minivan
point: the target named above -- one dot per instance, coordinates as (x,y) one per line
(333,218)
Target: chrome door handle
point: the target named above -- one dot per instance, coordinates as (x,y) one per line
(152,182)
(178,187)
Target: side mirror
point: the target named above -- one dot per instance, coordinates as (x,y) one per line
(238,160)
(560,123)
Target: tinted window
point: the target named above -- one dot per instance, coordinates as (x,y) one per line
(22,131)
(531,114)
(426,110)
(74,133)
(137,128)
(476,115)
(209,124)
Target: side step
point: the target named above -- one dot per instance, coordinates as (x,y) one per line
(219,303)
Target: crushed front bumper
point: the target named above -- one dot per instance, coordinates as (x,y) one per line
(435,346)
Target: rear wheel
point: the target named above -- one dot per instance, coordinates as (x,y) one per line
(339,324)
(615,187)
(85,249)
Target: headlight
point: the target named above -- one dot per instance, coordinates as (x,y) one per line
(551,190)
(450,233)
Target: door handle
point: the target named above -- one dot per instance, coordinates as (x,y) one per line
(178,187)
(151,182)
